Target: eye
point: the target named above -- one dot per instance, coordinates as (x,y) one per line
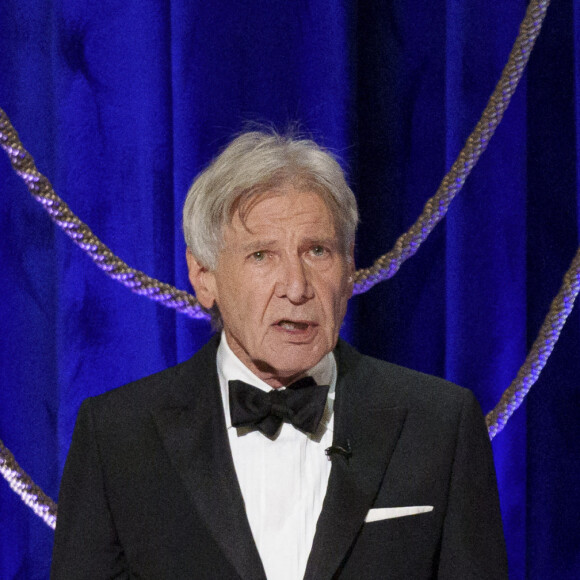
(318,251)
(259,256)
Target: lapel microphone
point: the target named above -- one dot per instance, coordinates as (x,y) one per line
(338,450)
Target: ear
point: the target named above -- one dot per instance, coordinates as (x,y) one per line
(351,256)
(351,267)
(202,280)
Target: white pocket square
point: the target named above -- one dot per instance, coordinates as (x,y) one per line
(378,514)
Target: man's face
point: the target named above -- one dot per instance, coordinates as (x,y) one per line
(282,284)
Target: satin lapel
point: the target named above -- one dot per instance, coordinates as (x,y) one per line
(373,434)
(195,438)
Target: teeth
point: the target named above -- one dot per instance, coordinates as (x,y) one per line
(289,325)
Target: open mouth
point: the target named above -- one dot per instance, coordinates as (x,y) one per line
(293,325)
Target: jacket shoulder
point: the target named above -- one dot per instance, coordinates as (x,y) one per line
(173,386)
(386,384)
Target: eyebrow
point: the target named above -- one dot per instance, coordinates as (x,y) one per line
(266,244)
(332,242)
(257,245)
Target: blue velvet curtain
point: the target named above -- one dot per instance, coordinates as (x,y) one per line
(122,102)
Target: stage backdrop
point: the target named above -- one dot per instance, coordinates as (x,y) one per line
(123,102)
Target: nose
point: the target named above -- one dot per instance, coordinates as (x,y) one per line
(294,281)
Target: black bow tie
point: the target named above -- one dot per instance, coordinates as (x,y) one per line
(301,403)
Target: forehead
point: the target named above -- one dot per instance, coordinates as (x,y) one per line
(283,208)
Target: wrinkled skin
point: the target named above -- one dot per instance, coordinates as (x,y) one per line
(282,284)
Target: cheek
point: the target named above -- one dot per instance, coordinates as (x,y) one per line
(334,307)
(246,306)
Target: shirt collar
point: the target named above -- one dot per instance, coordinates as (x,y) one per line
(230,367)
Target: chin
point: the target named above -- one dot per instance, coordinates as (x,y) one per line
(289,360)
(294,366)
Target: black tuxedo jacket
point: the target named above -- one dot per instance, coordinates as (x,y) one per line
(149,489)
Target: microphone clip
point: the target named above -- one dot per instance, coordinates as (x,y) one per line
(346,452)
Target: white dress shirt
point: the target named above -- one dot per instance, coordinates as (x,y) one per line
(283,480)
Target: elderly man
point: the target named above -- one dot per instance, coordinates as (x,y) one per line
(278,451)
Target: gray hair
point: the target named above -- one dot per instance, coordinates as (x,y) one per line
(254,164)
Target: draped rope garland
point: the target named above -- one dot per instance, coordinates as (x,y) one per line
(435,209)
(60,213)
(542,348)
(383,268)
(20,482)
